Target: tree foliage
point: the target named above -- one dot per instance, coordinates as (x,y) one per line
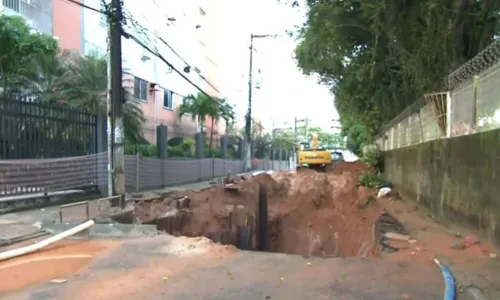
(85,86)
(31,65)
(20,52)
(379,56)
(201,106)
(326,139)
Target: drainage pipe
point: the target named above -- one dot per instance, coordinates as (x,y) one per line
(37,246)
(449,291)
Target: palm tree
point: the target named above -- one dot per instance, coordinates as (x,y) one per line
(227,113)
(85,86)
(199,107)
(223,110)
(45,79)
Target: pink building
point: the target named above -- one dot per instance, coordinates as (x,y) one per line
(67,24)
(160,107)
(80,29)
(160,104)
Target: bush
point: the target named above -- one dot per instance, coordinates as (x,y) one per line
(369,179)
(214,152)
(188,145)
(144,150)
(177,151)
(372,156)
(231,153)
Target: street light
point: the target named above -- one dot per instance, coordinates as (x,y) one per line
(248,123)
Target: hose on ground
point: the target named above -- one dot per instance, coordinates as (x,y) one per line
(449,291)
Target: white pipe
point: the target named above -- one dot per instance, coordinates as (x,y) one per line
(37,246)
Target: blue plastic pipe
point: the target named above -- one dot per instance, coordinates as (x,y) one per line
(449,291)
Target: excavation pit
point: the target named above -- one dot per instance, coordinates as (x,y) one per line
(309,213)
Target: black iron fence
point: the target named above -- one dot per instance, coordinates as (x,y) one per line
(40,130)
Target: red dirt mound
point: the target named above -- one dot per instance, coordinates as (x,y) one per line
(344,166)
(310,213)
(322,217)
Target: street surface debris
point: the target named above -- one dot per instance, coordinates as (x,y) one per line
(310,213)
(315,215)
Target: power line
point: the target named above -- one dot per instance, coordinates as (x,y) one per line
(135,39)
(89,7)
(140,43)
(144,30)
(155,53)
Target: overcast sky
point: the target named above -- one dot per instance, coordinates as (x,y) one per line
(285,92)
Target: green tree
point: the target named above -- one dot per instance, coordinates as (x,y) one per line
(326,139)
(202,106)
(47,76)
(85,86)
(19,52)
(283,139)
(262,144)
(379,56)
(227,113)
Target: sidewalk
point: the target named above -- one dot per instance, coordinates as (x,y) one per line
(21,223)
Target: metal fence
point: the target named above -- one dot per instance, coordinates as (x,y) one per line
(472,105)
(18,177)
(423,121)
(26,176)
(476,103)
(40,130)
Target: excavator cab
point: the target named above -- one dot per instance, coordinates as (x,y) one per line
(311,155)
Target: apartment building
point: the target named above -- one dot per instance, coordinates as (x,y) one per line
(189,26)
(59,18)
(184,26)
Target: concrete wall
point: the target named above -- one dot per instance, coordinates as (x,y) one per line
(456,178)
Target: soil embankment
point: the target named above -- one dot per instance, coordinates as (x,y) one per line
(310,213)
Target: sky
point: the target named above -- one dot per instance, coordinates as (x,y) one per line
(285,92)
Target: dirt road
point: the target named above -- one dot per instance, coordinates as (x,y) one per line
(164,267)
(149,269)
(315,215)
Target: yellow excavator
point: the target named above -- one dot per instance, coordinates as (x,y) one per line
(311,155)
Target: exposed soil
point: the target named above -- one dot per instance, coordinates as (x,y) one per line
(53,262)
(310,213)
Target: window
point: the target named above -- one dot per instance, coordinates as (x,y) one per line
(140,89)
(14,5)
(167,99)
(186,100)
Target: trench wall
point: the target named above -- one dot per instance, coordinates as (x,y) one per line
(457,179)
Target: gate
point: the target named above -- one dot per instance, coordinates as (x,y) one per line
(39,130)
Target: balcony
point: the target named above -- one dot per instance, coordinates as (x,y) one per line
(37,13)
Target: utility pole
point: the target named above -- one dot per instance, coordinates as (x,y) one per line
(248,124)
(295,136)
(295,130)
(307,126)
(117,99)
(296,121)
(109,114)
